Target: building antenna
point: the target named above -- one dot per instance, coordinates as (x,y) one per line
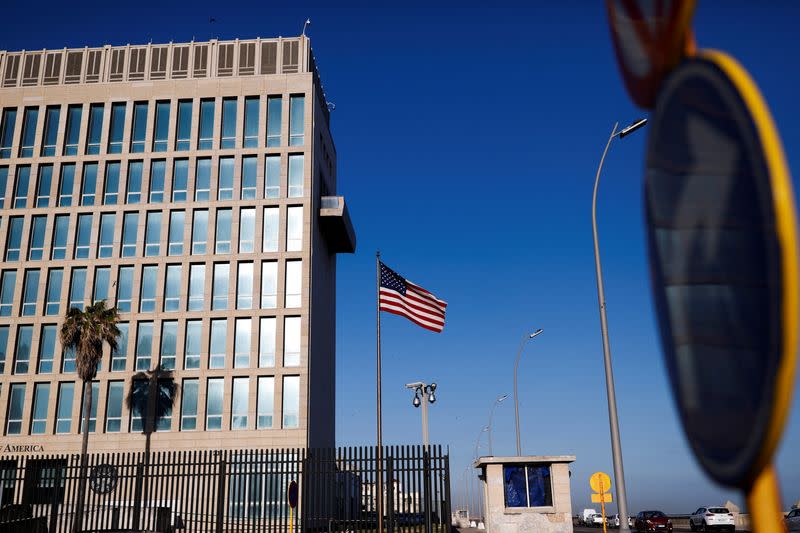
(306,24)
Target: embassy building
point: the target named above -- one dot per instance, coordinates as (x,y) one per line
(192,186)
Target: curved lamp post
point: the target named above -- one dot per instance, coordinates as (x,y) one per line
(516,396)
(491,416)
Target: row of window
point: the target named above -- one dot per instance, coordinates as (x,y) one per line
(109,243)
(191,338)
(205,136)
(138,187)
(176,287)
(190,394)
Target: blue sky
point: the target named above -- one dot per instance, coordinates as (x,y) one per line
(468,135)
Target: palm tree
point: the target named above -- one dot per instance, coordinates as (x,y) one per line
(85,332)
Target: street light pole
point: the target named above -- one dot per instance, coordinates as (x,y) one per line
(491,416)
(613,421)
(516,396)
(421,390)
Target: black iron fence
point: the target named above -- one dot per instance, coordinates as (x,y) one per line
(231,490)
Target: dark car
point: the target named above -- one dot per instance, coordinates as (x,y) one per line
(652,521)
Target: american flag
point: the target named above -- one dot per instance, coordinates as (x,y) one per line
(399,296)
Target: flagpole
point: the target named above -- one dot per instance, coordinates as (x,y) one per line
(380,405)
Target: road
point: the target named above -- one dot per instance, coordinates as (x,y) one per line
(581,529)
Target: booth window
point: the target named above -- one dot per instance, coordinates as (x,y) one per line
(527,486)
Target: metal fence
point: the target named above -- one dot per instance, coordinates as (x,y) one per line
(231,490)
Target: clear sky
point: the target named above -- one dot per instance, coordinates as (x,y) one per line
(468,136)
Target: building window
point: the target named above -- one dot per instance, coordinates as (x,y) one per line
(202,180)
(291,402)
(52,115)
(219,300)
(105,246)
(41,397)
(225,189)
(266,404)
(147,295)
(296,175)
(239,403)
(14,240)
(274,110)
(249,177)
(117,128)
(73,131)
(3,347)
(269,285)
(266,342)
(134,194)
(95,129)
(125,289)
(197,287)
(114,406)
(205,137)
(66,184)
(251,112)
(92,408)
(144,345)
(214,394)
(297,105)
(66,395)
(294,229)
(228,137)
(142,389)
(189,405)
(130,229)
(172,288)
(175,245)
(191,352)
(68,361)
(291,341)
(272,176)
(294,283)
(139,127)
(83,236)
(270,229)
(22,349)
(21,185)
(16,402)
(244,286)
(223,233)
(216,347)
(29,119)
(30,292)
(152,234)
(183,135)
(241,344)
(169,344)
(47,349)
(43,184)
(247,230)
(102,283)
(7,285)
(3,183)
(89,185)
(119,357)
(161,130)
(77,288)
(158,170)
(53,298)
(199,231)
(527,486)
(180,180)
(111,185)
(7,131)
(36,247)
(60,230)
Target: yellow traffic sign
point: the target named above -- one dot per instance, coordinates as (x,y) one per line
(602,498)
(600,482)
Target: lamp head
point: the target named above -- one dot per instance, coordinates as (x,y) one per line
(432,386)
(416,400)
(632,127)
(535,333)
(431,397)
(502,398)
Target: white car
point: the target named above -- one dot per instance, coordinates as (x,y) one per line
(596,520)
(708,518)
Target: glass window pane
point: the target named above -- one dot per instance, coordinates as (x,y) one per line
(244,286)
(152,235)
(119,357)
(117,127)
(193,341)
(228,139)
(514,486)
(158,170)
(43,184)
(269,285)
(60,234)
(169,344)
(291,402)
(272,176)
(89,184)
(266,402)
(14,239)
(216,349)
(202,180)
(219,299)
(134,195)
(291,341)
(130,230)
(294,229)
(147,296)
(114,407)
(197,287)
(274,107)
(240,401)
(180,180)
(68,361)
(225,190)
(139,127)
(270,230)
(296,175)
(206,134)
(176,221)
(214,396)
(16,403)
(296,120)
(249,177)
(30,292)
(189,404)
(92,409)
(29,120)
(47,349)
(241,344)
(223,233)
(144,345)
(172,289)
(36,246)
(66,395)
(105,246)
(251,111)
(7,126)
(161,131)
(102,283)
(77,289)
(22,349)
(125,288)
(41,397)
(184,125)
(53,297)
(247,230)
(294,283)
(111,192)
(73,131)
(95,129)
(83,237)
(3,347)
(539,488)
(21,185)
(199,231)
(3,184)
(53,114)
(266,342)
(66,184)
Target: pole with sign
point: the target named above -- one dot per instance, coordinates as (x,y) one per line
(291,497)
(600,482)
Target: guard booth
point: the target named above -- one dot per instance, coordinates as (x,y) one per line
(529,493)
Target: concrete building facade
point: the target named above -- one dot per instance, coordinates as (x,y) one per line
(193,186)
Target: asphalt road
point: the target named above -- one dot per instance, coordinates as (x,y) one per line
(581,529)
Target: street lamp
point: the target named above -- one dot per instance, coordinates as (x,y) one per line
(613,421)
(516,397)
(422,392)
(491,415)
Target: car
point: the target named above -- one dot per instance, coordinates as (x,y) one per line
(615,521)
(792,520)
(595,520)
(708,518)
(652,521)
(585,515)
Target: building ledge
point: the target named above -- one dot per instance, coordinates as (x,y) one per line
(527,459)
(336,226)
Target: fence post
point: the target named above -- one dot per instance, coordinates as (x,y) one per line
(446,511)
(55,501)
(137,495)
(389,493)
(221,494)
(426,465)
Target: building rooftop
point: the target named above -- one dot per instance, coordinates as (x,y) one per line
(483,461)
